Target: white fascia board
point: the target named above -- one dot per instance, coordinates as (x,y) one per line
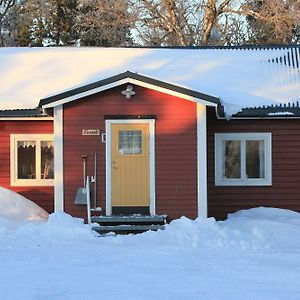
(170,92)
(125,81)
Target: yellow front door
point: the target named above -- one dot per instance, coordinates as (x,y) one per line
(130,165)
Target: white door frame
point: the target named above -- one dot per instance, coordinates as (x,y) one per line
(151,123)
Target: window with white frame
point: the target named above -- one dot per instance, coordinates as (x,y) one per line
(243,159)
(32,159)
(130,142)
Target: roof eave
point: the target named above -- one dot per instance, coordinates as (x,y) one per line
(18,114)
(288,111)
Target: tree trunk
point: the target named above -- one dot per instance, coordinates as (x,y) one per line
(209,20)
(171,6)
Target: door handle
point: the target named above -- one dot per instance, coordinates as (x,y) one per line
(114,165)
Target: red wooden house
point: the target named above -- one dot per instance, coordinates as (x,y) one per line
(160,148)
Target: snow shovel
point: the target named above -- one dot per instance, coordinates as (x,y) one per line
(95,181)
(81,198)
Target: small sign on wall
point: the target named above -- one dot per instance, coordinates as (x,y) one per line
(90,131)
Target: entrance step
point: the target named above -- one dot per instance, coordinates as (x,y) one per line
(124,229)
(128,223)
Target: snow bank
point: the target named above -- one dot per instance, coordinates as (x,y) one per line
(240,78)
(15,209)
(248,230)
(59,227)
(63,225)
(24,219)
(63,259)
(254,254)
(272,227)
(253,230)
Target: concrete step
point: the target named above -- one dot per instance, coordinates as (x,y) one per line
(125,229)
(124,224)
(130,219)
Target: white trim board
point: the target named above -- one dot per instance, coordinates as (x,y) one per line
(58,159)
(201,161)
(108,124)
(126,81)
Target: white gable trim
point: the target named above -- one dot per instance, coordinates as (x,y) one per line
(125,81)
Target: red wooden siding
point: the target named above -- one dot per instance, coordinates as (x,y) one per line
(175,146)
(284,192)
(43,196)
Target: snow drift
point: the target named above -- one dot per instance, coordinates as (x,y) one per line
(254,254)
(253,230)
(248,230)
(15,208)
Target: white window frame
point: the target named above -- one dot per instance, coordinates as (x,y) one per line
(38,138)
(243,137)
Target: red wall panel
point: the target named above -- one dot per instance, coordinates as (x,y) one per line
(175,146)
(43,196)
(284,192)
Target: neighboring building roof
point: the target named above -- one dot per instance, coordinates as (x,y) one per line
(22,113)
(126,77)
(241,77)
(282,111)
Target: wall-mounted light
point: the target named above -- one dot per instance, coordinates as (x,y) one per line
(129,92)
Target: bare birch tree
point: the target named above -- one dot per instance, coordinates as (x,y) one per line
(5,7)
(180,22)
(148,22)
(273,21)
(42,23)
(104,23)
(213,11)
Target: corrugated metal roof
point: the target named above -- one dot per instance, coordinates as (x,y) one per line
(222,47)
(241,76)
(288,110)
(291,58)
(13,113)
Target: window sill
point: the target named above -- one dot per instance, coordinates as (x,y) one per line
(244,183)
(26,182)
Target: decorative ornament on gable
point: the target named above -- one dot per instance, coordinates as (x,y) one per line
(129,92)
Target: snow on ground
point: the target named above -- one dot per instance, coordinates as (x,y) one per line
(15,209)
(254,254)
(240,78)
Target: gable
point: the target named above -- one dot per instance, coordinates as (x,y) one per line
(128,78)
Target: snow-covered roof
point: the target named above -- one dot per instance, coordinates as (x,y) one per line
(240,77)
